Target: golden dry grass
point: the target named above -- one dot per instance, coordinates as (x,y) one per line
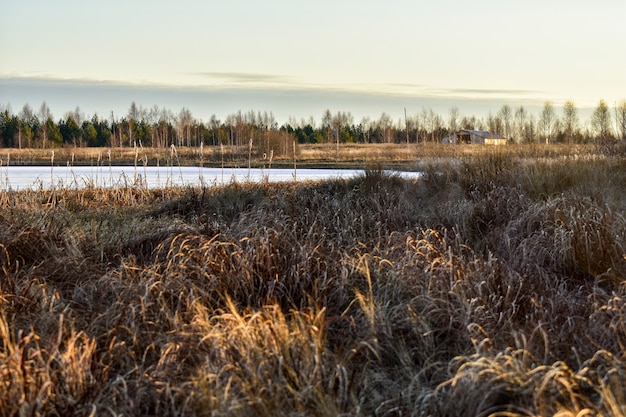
(494,285)
(353,155)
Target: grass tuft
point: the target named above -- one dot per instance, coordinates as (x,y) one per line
(493,285)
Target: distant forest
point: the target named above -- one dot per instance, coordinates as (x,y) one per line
(160,127)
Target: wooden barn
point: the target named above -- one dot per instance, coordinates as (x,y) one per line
(480,137)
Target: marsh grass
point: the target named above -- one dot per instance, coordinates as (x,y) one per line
(407,156)
(494,285)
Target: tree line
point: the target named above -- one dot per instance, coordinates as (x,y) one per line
(160,127)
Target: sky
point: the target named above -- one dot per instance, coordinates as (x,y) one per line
(299,58)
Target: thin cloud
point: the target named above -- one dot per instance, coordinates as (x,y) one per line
(246,77)
(254,81)
(405,85)
(46,80)
(484,92)
(284,100)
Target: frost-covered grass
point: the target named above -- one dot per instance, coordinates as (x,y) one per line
(493,285)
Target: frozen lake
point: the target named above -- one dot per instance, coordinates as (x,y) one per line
(41,177)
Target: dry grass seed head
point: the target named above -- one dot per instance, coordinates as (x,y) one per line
(515,383)
(266,361)
(43,376)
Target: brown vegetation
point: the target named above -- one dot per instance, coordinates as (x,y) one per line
(320,155)
(494,285)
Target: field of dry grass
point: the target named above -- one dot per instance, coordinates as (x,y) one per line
(319,155)
(492,286)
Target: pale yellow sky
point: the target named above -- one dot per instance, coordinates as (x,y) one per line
(500,51)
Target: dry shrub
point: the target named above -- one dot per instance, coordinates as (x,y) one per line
(52,376)
(29,245)
(264,268)
(482,217)
(570,236)
(515,383)
(480,172)
(607,323)
(458,288)
(266,363)
(537,271)
(220,204)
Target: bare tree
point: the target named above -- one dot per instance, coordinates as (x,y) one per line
(385,123)
(77,115)
(183,126)
(432,122)
(570,120)
(531,127)
(412,125)
(153,120)
(267,124)
(547,121)
(337,124)
(601,120)
(453,121)
(165,119)
(366,126)
(469,122)
(494,123)
(506,116)
(133,118)
(44,115)
(521,119)
(620,119)
(420,122)
(27,114)
(327,121)
(25,127)
(214,128)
